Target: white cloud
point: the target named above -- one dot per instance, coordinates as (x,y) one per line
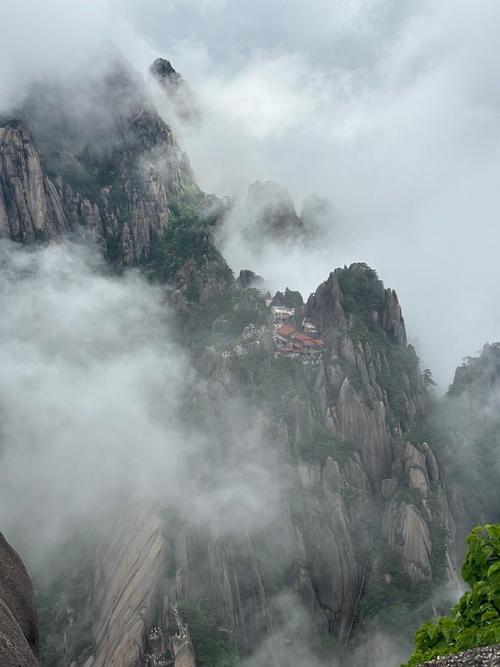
(92,393)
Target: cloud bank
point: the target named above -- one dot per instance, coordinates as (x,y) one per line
(93,396)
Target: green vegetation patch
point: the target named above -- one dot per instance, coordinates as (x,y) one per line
(211,643)
(323,444)
(475,619)
(188,235)
(363,293)
(221,319)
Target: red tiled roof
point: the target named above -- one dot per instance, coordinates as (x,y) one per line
(305,340)
(286,330)
(319,342)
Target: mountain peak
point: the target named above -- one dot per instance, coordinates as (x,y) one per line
(163,70)
(179,95)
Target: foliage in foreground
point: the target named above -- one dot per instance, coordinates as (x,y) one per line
(475,619)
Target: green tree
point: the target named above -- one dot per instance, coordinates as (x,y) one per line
(428,380)
(475,619)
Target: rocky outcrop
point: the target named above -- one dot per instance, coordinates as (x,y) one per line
(370,388)
(366,505)
(114,181)
(488,656)
(288,298)
(266,215)
(163,71)
(369,394)
(478,373)
(466,421)
(179,95)
(14,649)
(18,621)
(248,279)
(128,588)
(409,537)
(31,208)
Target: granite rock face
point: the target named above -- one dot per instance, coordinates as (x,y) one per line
(127,588)
(31,207)
(179,95)
(372,501)
(18,620)
(369,394)
(488,656)
(267,215)
(468,424)
(113,168)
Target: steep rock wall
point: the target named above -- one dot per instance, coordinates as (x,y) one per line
(128,577)
(18,620)
(114,182)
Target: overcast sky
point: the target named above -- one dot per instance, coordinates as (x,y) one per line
(390,108)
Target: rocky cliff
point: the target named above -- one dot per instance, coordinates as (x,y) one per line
(18,620)
(265,216)
(179,96)
(105,163)
(488,656)
(359,531)
(364,526)
(465,426)
(369,396)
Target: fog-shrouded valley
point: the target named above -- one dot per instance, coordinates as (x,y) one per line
(250,377)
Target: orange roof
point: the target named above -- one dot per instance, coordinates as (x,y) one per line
(305,340)
(286,330)
(319,342)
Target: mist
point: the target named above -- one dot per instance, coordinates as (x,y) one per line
(89,387)
(93,396)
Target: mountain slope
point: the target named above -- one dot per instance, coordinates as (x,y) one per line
(364,528)
(110,169)
(18,620)
(358,533)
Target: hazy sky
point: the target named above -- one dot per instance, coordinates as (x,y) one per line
(388,107)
